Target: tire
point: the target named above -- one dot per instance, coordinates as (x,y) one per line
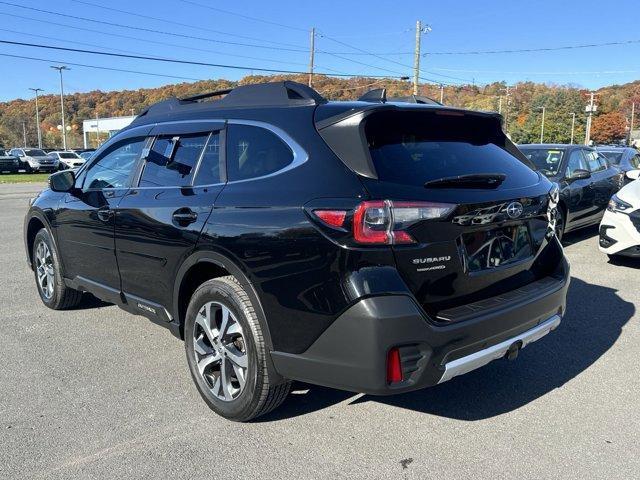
(53,292)
(242,393)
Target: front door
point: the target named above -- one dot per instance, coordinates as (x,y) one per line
(159,220)
(581,193)
(85,222)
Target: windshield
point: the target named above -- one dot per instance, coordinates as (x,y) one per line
(613,157)
(417,148)
(67,155)
(35,153)
(546,160)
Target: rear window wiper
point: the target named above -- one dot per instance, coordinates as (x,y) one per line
(473,180)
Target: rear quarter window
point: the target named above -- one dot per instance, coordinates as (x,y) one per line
(255,152)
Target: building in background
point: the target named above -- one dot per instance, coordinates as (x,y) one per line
(95,131)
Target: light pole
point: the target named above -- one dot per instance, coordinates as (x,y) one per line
(544,109)
(573,125)
(36,90)
(64,130)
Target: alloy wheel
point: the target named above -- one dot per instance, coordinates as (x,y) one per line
(44,270)
(220,351)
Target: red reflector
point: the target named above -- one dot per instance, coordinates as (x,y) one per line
(394,367)
(335,218)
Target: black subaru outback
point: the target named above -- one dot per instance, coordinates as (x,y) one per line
(372,246)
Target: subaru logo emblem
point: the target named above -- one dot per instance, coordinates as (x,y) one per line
(514,209)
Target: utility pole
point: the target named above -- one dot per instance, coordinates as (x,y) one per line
(544,110)
(441,93)
(416,58)
(633,115)
(64,128)
(500,105)
(590,109)
(24,133)
(97,131)
(573,126)
(312,52)
(36,90)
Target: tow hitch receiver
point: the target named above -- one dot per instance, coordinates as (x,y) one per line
(512,352)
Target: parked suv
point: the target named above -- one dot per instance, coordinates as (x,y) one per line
(8,163)
(371,246)
(35,160)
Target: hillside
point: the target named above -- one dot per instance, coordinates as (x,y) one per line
(522,108)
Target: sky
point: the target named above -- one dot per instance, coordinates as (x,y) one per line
(357,38)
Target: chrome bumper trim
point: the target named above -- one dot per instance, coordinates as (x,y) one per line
(478,359)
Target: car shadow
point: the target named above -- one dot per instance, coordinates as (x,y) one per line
(580,235)
(594,320)
(629,262)
(88,302)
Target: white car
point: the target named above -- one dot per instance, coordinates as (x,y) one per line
(35,160)
(68,159)
(620,225)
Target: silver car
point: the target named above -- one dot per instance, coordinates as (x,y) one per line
(35,160)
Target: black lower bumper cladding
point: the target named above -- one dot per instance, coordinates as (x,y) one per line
(351,354)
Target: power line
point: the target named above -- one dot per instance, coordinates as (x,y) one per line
(99,67)
(149,30)
(381,58)
(133,38)
(529,50)
(178,61)
(247,17)
(174,22)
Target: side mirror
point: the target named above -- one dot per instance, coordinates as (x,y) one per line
(63,181)
(580,175)
(633,174)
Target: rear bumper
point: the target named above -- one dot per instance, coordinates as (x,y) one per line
(351,354)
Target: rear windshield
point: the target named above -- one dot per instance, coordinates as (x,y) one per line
(67,155)
(412,148)
(613,157)
(546,160)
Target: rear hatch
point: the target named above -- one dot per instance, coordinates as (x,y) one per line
(492,232)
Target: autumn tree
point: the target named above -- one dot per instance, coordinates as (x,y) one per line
(609,127)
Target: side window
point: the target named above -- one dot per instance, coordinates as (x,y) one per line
(253,152)
(604,164)
(593,162)
(576,162)
(113,168)
(209,169)
(635,161)
(172,160)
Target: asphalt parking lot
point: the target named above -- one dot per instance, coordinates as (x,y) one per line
(99,393)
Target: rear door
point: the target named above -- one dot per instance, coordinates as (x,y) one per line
(160,219)
(604,182)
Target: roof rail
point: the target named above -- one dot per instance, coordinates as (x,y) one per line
(271,94)
(377,95)
(202,96)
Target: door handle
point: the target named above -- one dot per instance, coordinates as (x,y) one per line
(105,214)
(184,216)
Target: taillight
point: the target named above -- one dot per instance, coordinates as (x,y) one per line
(383,222)
(394,366)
